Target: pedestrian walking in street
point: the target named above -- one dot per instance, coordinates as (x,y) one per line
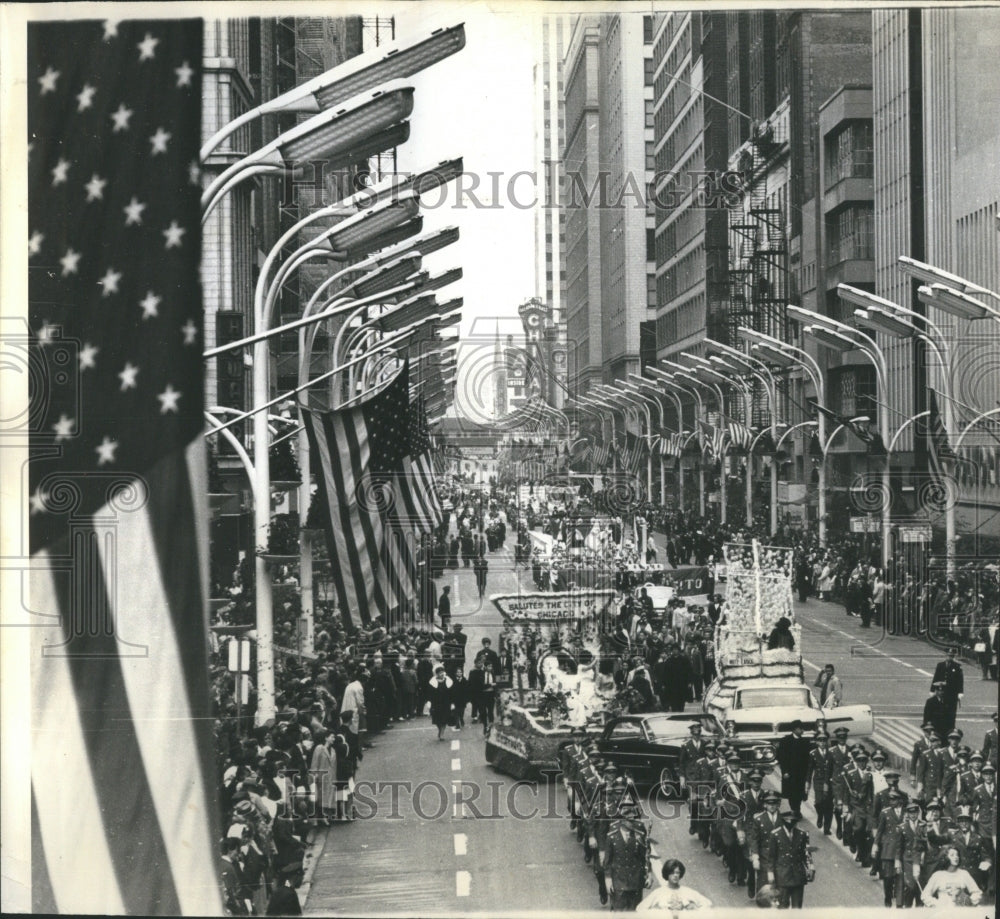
(444,607)
(459,697)
(439,691)
(790,865)
(481,566)
(830,690)
(949,672)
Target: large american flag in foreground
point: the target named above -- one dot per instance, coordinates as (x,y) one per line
(358,451)
(122,799)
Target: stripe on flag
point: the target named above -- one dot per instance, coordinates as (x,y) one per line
(124,812)
(359,452)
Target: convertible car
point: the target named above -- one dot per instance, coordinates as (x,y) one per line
(762,711)
(648,746)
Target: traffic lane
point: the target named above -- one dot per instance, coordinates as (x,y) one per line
(520,854)
(399,855)
(890,673)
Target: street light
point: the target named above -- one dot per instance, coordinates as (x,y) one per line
(839,336)
(339,136)
(394,61)
(955,302)
(936,276)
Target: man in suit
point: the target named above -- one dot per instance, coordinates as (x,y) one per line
(936,710)
(793,756)
(626,865)
(789,862)
(488,654)
(949,672)
(819,775)
(888,848)
(444,607)
(914,835)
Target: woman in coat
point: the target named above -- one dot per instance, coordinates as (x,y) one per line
(324,771)
(439,693)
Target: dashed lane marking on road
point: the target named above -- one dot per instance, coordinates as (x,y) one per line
(456,764)
(456,744)
(459,811)
(461,844)
(463,883)
(864,644)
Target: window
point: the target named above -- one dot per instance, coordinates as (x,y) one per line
(850,234)
(647,30)
(849,153)
(626,730)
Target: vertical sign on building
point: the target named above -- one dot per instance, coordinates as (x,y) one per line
(230,371)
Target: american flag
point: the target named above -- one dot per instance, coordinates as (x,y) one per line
(418,506)
(358,451)
(740,435)
(124,816)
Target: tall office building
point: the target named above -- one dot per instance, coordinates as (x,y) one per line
(608,166)
(550,132)
(690,122)
(582,165)
(937,196)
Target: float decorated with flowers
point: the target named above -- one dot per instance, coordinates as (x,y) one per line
(760,690)
(554,640)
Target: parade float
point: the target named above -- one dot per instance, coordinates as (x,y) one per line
(760,690)
(555,644)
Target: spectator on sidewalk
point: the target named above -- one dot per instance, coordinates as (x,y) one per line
(444,607)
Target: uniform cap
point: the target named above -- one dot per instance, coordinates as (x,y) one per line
(934,804)
(771,797)
(913,805)
(954,732)
(963,812)
(790,815)
(975,755)
(989,767)
(842,732)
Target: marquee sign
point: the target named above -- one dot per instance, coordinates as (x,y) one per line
(546,607)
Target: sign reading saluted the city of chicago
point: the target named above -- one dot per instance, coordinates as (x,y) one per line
(572,604)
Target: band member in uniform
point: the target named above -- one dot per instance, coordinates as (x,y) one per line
(858,804)
(888,848)
(758,833)
(819,775)
(692,750)
(957,783)
(928,765)
(789,862)
(753,804)
(921,746)
(626,862)
(976,855)
(729,803)
(841,757)
(914,833)
(937,829)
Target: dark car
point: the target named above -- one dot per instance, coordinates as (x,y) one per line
(648,747)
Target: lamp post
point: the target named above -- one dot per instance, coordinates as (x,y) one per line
(644,389)
(785,354)
(839,336)
(761,372)
(670,380)
(898,322)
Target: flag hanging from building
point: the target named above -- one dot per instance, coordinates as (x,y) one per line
(357,453)
(123,807)
(938,448)
(715,437)
(863,430)
(740,435)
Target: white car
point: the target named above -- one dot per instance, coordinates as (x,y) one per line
(763,711)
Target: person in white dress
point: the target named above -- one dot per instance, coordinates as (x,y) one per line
(672,895)
(952,886)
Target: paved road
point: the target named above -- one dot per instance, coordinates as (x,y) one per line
(508,848)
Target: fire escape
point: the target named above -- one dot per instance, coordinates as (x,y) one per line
(758,256)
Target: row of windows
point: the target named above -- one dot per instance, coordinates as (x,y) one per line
(686,320)
(687,129)
(681,276)
(675,100)
(849,153)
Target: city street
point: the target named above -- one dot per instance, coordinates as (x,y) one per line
(418,849)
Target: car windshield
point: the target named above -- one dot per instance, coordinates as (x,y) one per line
(790,696)
(671,728)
